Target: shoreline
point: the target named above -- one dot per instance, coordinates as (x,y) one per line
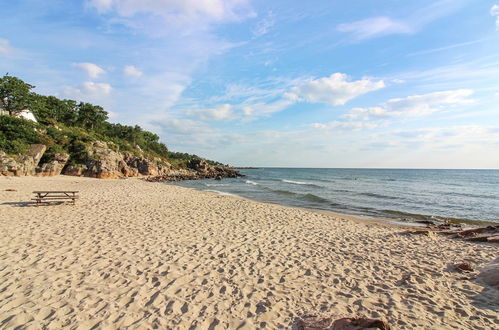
(413,222)
(131,253)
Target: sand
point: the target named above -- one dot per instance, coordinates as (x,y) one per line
(133,254)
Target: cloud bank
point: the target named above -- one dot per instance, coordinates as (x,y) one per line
(334,90)
(415,105)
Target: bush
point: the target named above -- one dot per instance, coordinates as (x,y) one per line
(16,134)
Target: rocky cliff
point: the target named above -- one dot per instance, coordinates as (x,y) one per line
(105,161)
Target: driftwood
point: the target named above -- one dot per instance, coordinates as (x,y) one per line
(482,234)
(312,322)
(488,234)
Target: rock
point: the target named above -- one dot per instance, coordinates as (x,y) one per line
(464,267)
(105,161)
(75,170)
(357,323)
(102,162)
(489,274)
(24,165)
(350,323)
(54,167)
(198,165)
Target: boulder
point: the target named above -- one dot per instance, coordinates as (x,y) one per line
(75,170)
(489,274)
(103,162)
(199,165)
(54,167)
(8,165)
(24,165)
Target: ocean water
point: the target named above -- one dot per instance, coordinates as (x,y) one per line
(403,194)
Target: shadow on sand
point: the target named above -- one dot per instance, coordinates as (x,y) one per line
(31,204)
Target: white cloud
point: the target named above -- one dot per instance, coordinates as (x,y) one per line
(5,47)
(494,11)
(93,70)
(375,27)
(334,90)
(345,125)
(439,49)
(182,11)
(410,23)
(163,89)
(457,136)
(176,126)
(132,71)
(221,112)
(263,26)
(415,105)
(190,135)
(88,91)
(101,5)
(252,111)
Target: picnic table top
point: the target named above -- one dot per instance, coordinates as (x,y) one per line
(55,191)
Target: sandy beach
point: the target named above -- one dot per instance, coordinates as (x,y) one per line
(132,254)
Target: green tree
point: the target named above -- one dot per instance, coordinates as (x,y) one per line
(15,94)
(91,116)
(50,108)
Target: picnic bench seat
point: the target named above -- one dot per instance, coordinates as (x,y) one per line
(52,195)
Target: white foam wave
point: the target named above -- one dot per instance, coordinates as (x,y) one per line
(251,182)
(223,193)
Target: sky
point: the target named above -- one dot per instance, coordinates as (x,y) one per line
(286,83)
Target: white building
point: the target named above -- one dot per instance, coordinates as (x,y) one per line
(26,114)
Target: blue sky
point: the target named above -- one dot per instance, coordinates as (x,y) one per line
(407,84)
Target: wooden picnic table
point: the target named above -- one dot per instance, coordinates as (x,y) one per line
(55,195)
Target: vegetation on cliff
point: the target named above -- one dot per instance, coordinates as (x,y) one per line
(68,126)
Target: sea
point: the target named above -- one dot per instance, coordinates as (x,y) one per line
(410,195)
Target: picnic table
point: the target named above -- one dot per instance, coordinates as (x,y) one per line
(51,195)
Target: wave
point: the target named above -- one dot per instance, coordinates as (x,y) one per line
(215,184)
(300,182)
(223,193)
(251,182)
(303,197)
(378,196)
(283,192)
(454,193)
(314,198)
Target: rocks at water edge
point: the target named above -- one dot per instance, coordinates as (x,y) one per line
(103,160)
(198,169)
